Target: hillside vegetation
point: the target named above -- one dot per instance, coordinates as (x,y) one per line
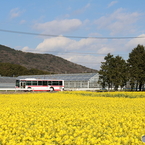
(14,70)
(44,62)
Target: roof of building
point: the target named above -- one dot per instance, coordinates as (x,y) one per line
(65,77)
(7,79)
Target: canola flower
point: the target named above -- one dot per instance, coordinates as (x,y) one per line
(72,118)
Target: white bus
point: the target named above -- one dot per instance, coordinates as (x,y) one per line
(40,84)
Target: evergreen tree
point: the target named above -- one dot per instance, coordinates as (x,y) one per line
(105,78)
(136,64)
(8,69)
(120,72)
(114,72)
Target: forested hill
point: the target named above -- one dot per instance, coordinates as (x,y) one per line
(44,62)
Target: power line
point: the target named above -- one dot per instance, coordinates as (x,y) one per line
(49,35)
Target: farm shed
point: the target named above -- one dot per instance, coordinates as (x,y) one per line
(72,81)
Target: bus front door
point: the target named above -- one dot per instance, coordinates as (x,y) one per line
(23,84)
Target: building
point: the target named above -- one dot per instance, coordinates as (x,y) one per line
(7,82)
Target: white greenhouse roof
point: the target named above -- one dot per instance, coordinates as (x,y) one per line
(7,79)
(65,77)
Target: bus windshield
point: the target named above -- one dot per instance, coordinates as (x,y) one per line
(17,83)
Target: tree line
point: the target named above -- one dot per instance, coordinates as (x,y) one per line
(116,72)
(14,70)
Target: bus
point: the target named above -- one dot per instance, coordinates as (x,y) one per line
(40,84)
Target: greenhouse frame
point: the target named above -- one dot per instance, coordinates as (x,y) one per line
(72,81)
(7,82)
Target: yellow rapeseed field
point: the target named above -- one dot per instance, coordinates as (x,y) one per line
(72,118)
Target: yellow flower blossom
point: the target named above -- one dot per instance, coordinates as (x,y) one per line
(72,118)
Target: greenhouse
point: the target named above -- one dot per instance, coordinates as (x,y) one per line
(7,82)
(72,81)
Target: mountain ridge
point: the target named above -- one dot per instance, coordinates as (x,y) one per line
(44,62)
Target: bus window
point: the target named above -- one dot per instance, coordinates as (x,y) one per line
(40,83)
(49,82)
(34,83)
(17,83)
(28,82)
(44,83)
(60,83)
(55,83)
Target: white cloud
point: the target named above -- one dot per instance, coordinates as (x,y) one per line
(58,27)
(66,44)
(85,60)
(55,44)
(134,42)
(15,13)
(22,21)
(87,52)
(112,3)
(25,49)
(119,22)
(105,50)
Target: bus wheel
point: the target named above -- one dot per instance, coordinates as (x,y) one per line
(29,90)
(51,89)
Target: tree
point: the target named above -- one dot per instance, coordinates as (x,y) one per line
(8,69)
(136,64)
(34,71)
(105,78)
(120,72)
(113,72)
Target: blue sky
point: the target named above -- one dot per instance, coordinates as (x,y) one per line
(80,19)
